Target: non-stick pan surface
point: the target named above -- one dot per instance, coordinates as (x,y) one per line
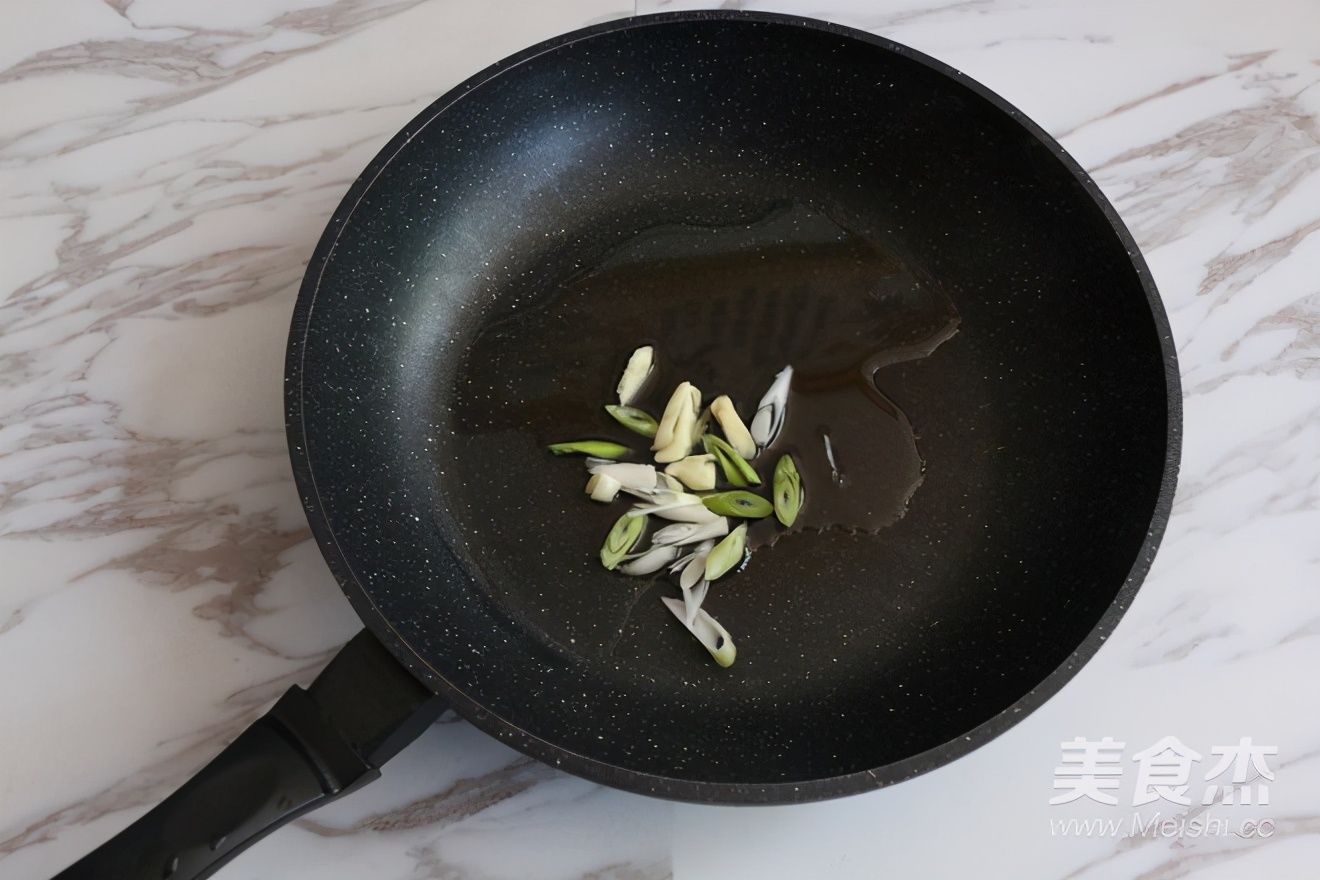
(477,291)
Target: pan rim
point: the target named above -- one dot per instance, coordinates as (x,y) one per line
(677,788)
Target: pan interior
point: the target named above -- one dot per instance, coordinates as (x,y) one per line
(743,195)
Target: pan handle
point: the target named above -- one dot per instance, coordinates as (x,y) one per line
(313,746)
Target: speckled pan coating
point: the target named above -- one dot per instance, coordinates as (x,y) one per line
(1050,424)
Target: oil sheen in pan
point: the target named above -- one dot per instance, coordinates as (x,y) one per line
(726,307)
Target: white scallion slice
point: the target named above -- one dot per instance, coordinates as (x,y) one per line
(649,562)
(707,630)
(658,495)
(695,572)
(684,561)
(682,533)
(692,600)
(621,539)
(686,513)
(770,411)
(633,419)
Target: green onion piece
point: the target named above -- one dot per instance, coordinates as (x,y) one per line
(727,554)
(707,630)
(598,448)
(736,469)
(738,503)
(633,419)
(788,490)
(621,539)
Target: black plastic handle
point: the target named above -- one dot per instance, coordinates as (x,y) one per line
(312,746)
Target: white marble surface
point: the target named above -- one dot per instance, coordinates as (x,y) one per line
(165,168)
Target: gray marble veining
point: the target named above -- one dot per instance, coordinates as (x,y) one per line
(165,170)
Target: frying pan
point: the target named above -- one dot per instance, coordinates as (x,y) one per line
(474,296)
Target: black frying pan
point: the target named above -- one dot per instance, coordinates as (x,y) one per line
(743,191)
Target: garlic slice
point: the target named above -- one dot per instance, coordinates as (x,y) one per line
(673,436)
(770,411)
(694,471)
(603,487)
(640,365)
(732,425)
(707,630)
(679,400)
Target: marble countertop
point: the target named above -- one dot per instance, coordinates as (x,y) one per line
(165,169)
